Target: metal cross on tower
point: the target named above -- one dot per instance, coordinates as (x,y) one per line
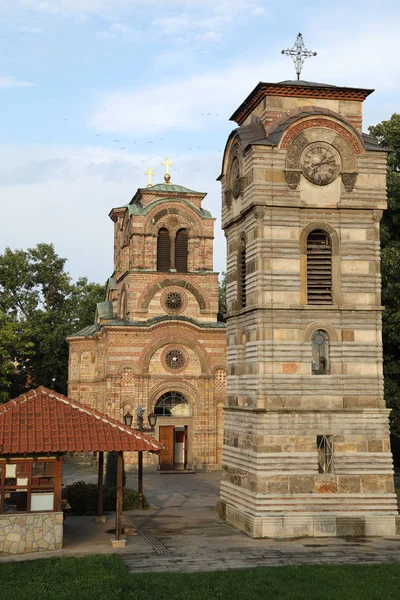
(299,52)
(167,164)
(149,174)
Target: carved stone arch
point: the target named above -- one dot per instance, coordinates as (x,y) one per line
(127,365)
(184,387)
(217,367)
(330,330)
(326,131)
(148,293)
(151,349)
(158,218)
(335,244)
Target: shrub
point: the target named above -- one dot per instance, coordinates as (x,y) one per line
(82,497)
(110,479)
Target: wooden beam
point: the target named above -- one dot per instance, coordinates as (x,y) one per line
(100,485)
(118,507)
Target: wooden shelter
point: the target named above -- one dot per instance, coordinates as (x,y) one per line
(36,430)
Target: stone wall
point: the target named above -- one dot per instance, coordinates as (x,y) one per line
(273,483)
(31,532)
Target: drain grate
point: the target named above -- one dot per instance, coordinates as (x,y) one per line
(146,533)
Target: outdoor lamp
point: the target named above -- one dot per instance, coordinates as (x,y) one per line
(128,419)
(152,419)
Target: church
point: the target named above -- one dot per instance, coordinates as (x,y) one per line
(156,342)
(306,443)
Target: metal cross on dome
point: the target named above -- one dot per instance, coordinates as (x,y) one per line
(299,52)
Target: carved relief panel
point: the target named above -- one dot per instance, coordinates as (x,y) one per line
(320,150)
(235,175)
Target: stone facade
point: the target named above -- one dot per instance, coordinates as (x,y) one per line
(29,532)
(153,318)
(281,415)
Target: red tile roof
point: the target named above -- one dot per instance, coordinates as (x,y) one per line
(45,421)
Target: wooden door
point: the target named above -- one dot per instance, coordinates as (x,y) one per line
(186,442)
(167,438)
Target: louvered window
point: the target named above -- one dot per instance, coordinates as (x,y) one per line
(319,268)
(242,274)
(163,250)
(181,251)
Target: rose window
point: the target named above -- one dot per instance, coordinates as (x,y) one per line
(174,359)
(173,300)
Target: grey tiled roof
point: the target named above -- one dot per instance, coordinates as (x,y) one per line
(91,330)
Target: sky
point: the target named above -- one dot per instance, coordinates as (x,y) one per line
(93,92)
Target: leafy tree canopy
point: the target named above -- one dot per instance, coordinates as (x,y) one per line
(40,306)
(222,297)
(388,135)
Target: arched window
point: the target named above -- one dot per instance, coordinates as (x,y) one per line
(242,274)
(123,307)
(320,352)
(319,268)
(163,250)
(173,404)
(181,251)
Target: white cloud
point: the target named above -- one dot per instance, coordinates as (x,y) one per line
(8,83)
(179,103)
(101,7)
(63,194)
(30,30)
(183,103)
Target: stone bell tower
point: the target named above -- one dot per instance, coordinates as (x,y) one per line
(306,442)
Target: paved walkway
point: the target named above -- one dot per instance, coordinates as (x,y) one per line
(183,520)
(181,533)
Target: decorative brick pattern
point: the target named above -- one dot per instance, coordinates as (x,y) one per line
(187,303)
(307,124)
(127,378)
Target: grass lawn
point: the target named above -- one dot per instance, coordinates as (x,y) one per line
(106,578)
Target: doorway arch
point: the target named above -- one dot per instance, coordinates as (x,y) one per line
(175,425)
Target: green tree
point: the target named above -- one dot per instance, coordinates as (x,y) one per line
(11,344)
(222,297)
(42,306)
(388,135)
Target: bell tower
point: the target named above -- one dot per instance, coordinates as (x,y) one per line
(306,443)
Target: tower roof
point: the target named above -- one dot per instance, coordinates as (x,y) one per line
(306,89)
(171,187)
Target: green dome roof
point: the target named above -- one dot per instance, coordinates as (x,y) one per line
(170,187)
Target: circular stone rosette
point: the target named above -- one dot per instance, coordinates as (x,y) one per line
(173,301)
(174,359)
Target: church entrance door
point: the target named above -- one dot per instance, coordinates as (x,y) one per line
(167,437)
(173,406)
(174,456)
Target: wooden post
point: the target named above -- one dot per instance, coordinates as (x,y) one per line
(118,508)
(57,484)
(100,479)
(140,478)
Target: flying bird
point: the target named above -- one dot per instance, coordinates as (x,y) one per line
(118,141)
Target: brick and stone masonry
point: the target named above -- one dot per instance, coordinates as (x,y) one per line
(124,359)
(305,453)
